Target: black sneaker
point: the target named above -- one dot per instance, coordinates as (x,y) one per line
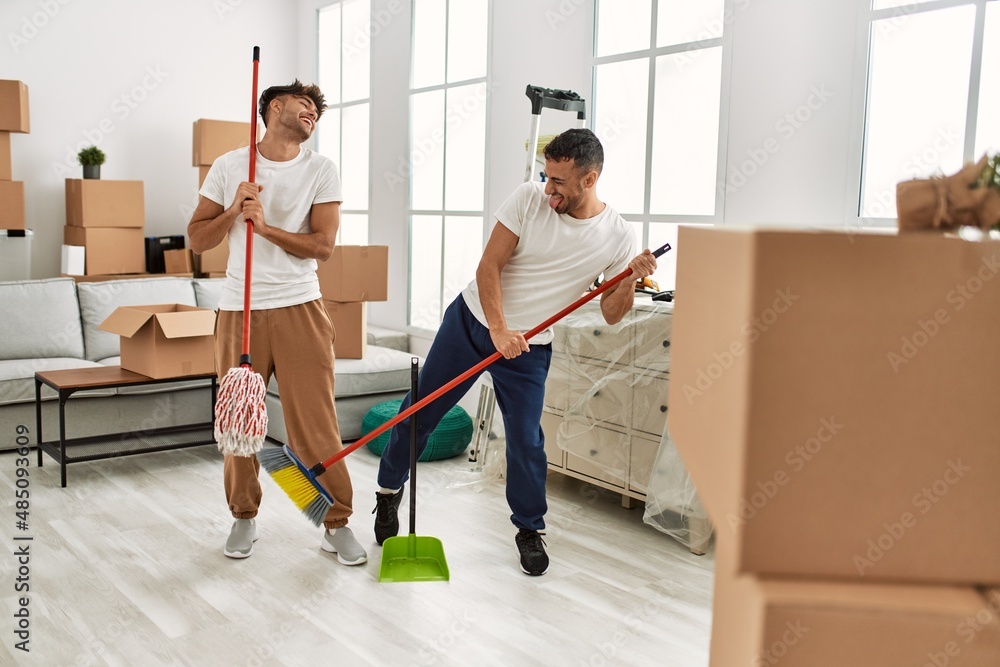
(386,514)
(531,548)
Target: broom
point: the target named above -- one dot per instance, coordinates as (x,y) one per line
(240,414)
(300,482)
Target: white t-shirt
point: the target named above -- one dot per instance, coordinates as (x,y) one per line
(280,279)
(556,258)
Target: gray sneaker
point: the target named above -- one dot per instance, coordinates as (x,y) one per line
(241,539)
(343,543)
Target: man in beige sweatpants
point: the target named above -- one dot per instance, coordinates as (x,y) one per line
(294,204)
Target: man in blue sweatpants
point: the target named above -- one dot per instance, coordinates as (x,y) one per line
(552,241)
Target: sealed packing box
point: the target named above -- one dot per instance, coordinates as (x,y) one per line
(12,205)
(109,250)
(213,138)
(832,396)
(14,107)
(168,340)
(92,202)
(202,174)
(178,261)
(355,273)
(215,260)
(809,623)
(350,324)
(6,166)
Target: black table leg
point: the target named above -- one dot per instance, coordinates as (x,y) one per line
(62,434)
(38,418)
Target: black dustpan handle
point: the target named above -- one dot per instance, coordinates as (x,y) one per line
(414,376)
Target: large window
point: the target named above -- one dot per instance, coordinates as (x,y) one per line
(658,81)
(447,156)
(933,93)
(343,132)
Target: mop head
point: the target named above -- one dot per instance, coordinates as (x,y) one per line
(297,481)
(240,414)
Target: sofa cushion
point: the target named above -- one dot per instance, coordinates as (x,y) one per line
(98,300)
(380,371)
(395,340)
(53,328)
(17,378)
(209,292)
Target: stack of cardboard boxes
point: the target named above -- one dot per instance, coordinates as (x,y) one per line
(351,277)
(106,219)
(833,397)
(210,139)
(13,118)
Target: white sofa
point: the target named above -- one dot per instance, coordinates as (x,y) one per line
(52,324)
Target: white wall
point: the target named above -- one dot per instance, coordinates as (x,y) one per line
(131,77)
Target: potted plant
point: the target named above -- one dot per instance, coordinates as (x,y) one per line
(91,158)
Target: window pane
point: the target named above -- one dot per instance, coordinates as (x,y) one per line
(918,92)
(466,148)
(467,38)
(425,271)
(426,159)
(354,172)
(463,247)
(357,49)
(686,133)
(620,122)
(623,26)
(328,137)
(428,43)
(905,4)
(353,229)
(988,131)
(329,53)
(681,21)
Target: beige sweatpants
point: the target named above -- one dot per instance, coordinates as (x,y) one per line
(296,345)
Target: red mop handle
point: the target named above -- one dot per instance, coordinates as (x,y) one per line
(368,437)
(248,271)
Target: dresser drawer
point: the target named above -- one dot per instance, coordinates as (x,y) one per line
(642,456)
(599,395)
(587,335)
(651,347)
(597,452)
(649,403)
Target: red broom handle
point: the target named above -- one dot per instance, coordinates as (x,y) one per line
(248,272)
(368,437)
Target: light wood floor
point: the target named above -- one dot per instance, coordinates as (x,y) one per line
(127,569)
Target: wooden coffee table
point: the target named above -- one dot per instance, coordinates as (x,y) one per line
(71,450)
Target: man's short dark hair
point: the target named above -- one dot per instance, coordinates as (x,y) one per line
(580,145)
(298,89)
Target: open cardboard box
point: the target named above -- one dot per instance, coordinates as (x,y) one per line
(833,396)
(162,341)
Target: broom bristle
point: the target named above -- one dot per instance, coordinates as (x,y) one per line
(240,413)
(297,482)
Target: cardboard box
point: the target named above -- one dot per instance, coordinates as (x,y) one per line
(832,395)
(73,260)
(14,107)
(355,273)
(109,250)
(178,261)
(216,274)
(202,173)
(12,205)
(213,138)
(92,202)
(802,623)
(161,341)
(155,247)
(6,165)
(215,260)
(350,324)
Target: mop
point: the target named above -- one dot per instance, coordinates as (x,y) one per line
(240,414)
(300,482)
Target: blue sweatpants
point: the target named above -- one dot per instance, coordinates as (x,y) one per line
(519,383)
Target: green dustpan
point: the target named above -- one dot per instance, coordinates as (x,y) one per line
(413,558)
